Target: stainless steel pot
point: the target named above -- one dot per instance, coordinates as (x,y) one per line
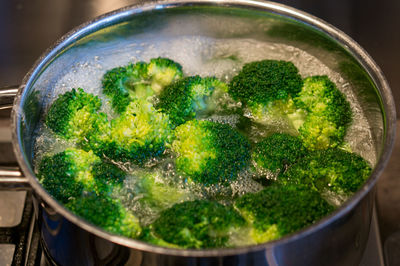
(338,239)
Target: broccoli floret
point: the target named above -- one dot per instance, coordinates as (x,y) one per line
(140,80)
(197,224)
(188,97)
(279,210)
(67,175)
(122,84)
(266,88)
(329,113)
(162,72)
(107,176)
(153,191)
(210,153)
(107,213)
(332,169)
(75,115)
(262,82)
(138,134)
(278,151)
(279,115)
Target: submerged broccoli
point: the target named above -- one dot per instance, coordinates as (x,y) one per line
(68,174)
(162,72)
(140,80)
(197,224)
(121,84)
(84,183)
(75,115)
(106,213)
(329,113)
(190,96)
(210,153)
(138,134)
(279,210)
(267,88)
(148,236)
(152,191)
(332,169)
(278,151)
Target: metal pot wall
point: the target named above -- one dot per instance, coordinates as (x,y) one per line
(338,239)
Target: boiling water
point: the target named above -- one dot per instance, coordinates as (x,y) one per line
(198,56)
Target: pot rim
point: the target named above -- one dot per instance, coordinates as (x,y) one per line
(112,17)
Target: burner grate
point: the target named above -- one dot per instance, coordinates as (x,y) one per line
(23,238)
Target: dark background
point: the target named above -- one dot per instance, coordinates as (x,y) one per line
(28,28)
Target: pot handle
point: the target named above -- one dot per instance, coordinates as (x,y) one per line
(11,177)
(7,96)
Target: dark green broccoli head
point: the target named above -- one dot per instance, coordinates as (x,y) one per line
(329,113)
(278,151)
(162,72)
(332,169)
(140,80)
(279,210)
(138,134)
(185,98)
(197,224)
(209,152)
(262,82)
(68,174)
(107,176)
(74,114)
(106,213)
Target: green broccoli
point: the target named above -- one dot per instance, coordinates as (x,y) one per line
(84,183)
(197,224)
(138,134)
(154,193)
(107,213)
(266,88)
(278,151)
(140,80)
(209,152)
(121,84)
(329,113)
(107,176)
(279,210)
(162,72)
(332,169)
(68,174)
(190,96)
(75,115)
(148,236)
(265,81)
(279,115)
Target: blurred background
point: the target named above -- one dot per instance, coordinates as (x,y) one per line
(28,28)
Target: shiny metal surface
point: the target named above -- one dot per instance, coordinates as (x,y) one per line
(7,97)
(346,228)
